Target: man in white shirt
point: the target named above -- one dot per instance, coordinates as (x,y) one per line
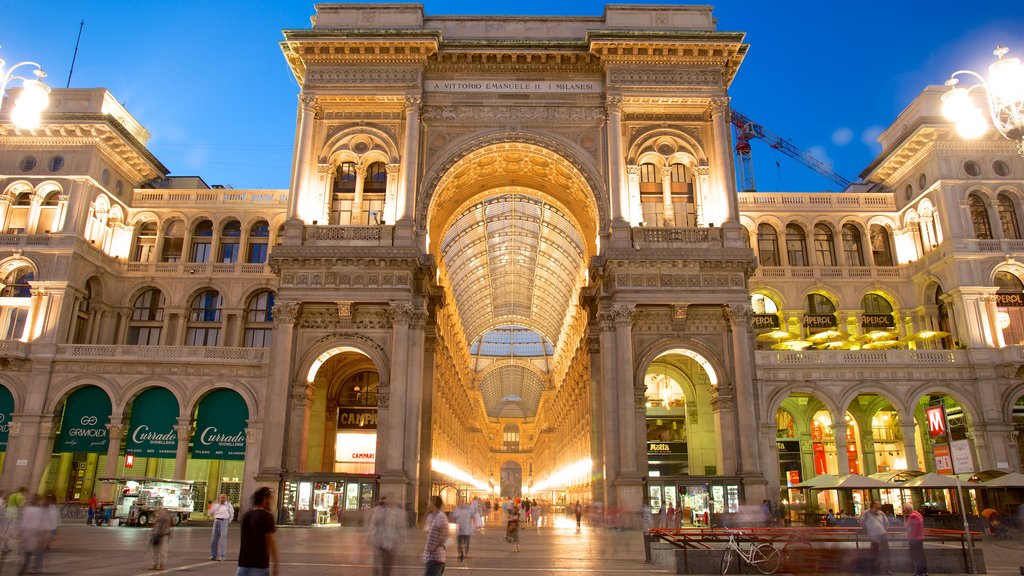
(222,512)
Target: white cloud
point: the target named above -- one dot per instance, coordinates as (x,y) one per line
(870,138)
(821,154)
(842,136)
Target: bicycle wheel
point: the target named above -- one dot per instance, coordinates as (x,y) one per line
(766,558)
(727,556)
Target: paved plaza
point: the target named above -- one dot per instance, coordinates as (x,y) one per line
(550,550)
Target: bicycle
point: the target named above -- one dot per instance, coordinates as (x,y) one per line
(764,557)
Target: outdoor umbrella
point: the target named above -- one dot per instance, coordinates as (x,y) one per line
(1011,480)
(777,336)
(814,483)
(791,345)
(858,482)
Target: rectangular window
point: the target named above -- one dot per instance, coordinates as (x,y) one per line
(202,336)
(258,337)
(257,254)
(229,253)
(653,209)
(14,323)
(143,336)
(200,252)
(823,246)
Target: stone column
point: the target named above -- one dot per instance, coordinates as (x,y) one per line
(725,427)
(297,201)
(300,402)
(324,192)
(414,408)
(616,164)
(79,201)
(909,432)
(842,460)
(410,151)
(250,470)
(390,215)
(393,481)
(623,317)
(636,212)
(609,399)
(357,198)
(115,435)
(743,388)
(666,196)
(275,419)
(722,161)
(598,421)
(184,430)
(702,192)
(770,458)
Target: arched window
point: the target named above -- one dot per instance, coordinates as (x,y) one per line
(1010,307)
(17,214)
(204,319)
(259,320)
(343,194)
(875,304)
(202,241)
(796,246)
(1008,218)
(259,239)
(174,239)
(48,212)
(853,249)
(345,178)
(821,314)
(683,207)
(510,438)
(145,242)
(374,190)
(230,236)
(652,198)
(16,295)
(979,217)
(768,245)
(147,318)
(81,332)
(824,245)
(881,247)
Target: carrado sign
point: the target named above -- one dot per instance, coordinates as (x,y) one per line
(220,427)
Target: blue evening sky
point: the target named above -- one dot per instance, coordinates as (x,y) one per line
(208,80)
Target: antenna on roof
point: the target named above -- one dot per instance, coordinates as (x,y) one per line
(75,57)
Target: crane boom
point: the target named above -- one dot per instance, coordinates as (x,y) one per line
(746,130)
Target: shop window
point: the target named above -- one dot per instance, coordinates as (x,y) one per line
(796,245)
(853,248)
(820,315)
(230,237)
(667,448)
(887,438)
(204,319)
(259,320)
(1008,217)
(824,245)
(979,217)
(259,239)
(147,320)
(768,245)
(881,245)
(202,242)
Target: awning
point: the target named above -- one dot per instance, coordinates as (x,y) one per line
(84,425)
(220,427)
(6,410)
(151,433)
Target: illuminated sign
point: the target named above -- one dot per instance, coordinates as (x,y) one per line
(1012,300)
(355,447)
(129,461)
(936,421)
(666,447)
(820,321)
(357,419)
(877,321)
(761,321)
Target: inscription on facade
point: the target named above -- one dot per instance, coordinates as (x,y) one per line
(515,86)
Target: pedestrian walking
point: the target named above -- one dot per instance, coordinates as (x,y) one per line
(257,550)
(33,535)
(875,525)
(436,525)
(512,529)
(11,511)
(579,514)
(915,539)
(159,537)
(222,513)
(383,531)
(91,510)
(462,516)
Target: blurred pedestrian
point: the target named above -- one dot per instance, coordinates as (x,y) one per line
(462,516)
(10,523)
(33,534)
(258,550)
(91,510)
(876,526)
(383,531)
(513,528)
(579,514)
(436,525)
(222,513)
(159,535)
(915,539)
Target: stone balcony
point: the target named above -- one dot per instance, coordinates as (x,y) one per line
(658,238)
(13,349)
(831,272)
(172,354)
(379,235)
(23,240)
(194,268)
(815,202)
(787,358)
(271,199)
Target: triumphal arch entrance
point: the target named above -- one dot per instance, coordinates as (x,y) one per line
(512,265)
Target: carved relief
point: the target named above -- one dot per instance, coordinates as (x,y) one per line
(370,76)
(502,114)
(665,77)
(286,312)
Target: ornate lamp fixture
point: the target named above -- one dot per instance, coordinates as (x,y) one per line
(1004,90)
(34,97)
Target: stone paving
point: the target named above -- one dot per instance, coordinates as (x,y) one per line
(555,550)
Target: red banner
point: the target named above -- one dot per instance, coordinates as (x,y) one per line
(793,477)
(820,463)
(936,421)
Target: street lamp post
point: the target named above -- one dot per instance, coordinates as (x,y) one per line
(34,97)
(1004,92)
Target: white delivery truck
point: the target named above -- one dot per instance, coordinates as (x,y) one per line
(136,500)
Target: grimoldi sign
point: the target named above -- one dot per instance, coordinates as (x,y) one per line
(515,86)
(1012,300)
(877,321)
(357,419)
(83,427)
(820,321)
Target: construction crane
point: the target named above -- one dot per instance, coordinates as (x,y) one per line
(744,129)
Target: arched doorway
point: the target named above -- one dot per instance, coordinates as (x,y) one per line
(511,480)
(80,448)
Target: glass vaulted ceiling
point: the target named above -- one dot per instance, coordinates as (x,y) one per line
(513,259)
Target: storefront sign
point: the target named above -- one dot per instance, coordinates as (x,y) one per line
(356,447)
(793,477)
(151,433)
(943,461)
(357,419)
(788,446)
(666,447)
(936,421)
(764,321)
(6,410)
(84,425)
(877,321)
(1012,300)
(820,321)
(960,452)
(820,461)
(220,427)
